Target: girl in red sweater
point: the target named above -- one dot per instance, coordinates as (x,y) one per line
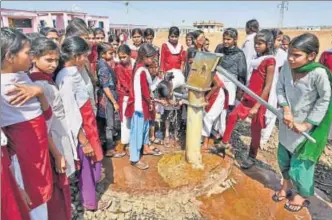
(141,107)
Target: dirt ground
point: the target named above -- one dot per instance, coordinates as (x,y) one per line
(325,38)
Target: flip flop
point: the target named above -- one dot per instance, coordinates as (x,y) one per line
(154,152)
(218,151)
(277,198)
(297,208)
(157,141)
(140,165)
(115,154)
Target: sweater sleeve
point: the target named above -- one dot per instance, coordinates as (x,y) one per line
(322,59)
(145,87)
(322,84)
(242,68)
(163,57)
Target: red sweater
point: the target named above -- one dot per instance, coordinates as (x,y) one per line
(257,81)
(326,59)
(169,61)
(124,86)
(145,93)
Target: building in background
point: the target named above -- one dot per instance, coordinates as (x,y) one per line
(209,26)
(33,21)
(117,29)
(26,21)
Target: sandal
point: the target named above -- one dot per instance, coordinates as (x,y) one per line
(112,153)
(140,165)
(157,141)
(296,208)
(218,151)
(154,152)
(277,198)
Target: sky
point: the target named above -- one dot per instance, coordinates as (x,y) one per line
(168,13)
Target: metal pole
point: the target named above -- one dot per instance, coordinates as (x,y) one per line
(259,99)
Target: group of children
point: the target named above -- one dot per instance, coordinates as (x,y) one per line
(66,100)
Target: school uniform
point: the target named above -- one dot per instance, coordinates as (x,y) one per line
(281,58)
(12,204)
(171,59)
(139,112)
(309,100)
(107,79)
(89,87)
(214,120)
(256,84)
(124,89)
(234,61)
(93,57)
(134,51)
(248,49)
(80,114)
(58,130)
(25,125)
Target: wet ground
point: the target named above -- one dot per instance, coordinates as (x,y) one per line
(170,189)
(249,198)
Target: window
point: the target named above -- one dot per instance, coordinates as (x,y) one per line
(54,23)
(20,23)
(101,24)
(42,23)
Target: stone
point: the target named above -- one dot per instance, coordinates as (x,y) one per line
(126,207)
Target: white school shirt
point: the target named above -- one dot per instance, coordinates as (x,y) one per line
(13,114)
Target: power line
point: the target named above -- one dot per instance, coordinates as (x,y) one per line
(283,7)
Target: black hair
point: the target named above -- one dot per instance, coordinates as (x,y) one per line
(34,35)
(42,45)
(253,25)
(174,31)
(148,32)
(190,34)
(306,42)
(124,48)
(276,32)
(286,37)
(12,41)
(231,32)
(73,46)
(136,31)
(46,30)
(78,21)
(268,38)
(99,31)
(112,38)
(164,89)
(90,31)
(146,50)
(76,27)
(197,33)
(103,48)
